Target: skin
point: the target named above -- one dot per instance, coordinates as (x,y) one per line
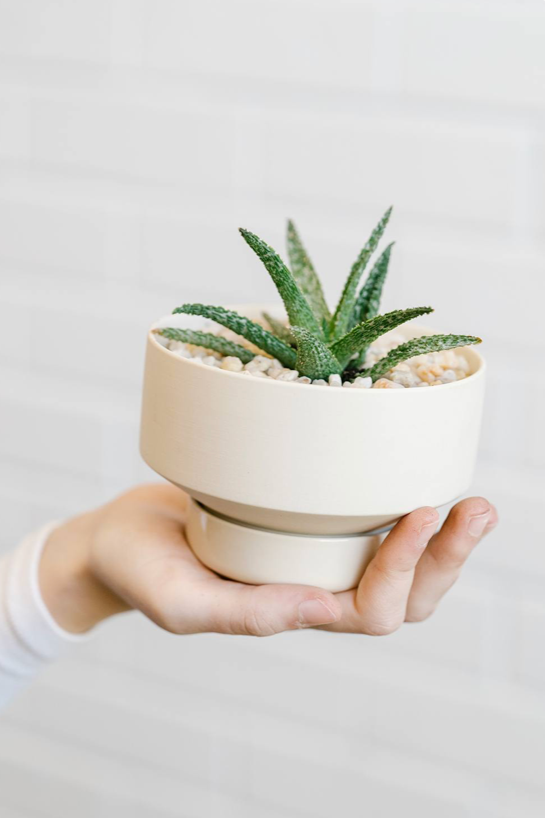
(132,554)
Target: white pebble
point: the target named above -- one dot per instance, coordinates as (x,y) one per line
(258,374)
(448,358)
(363,383)
(429,372)
(319,382)
(462,364)
(448,376)
(335,380)
(274,373)
(258,364)
(384,383)
(231,363)
(210,360)
(405,378)
(288,375)
(347,384)
(274,363)
(303,379)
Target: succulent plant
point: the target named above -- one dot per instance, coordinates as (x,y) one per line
(316,342)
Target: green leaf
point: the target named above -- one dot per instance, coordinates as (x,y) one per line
(368,301)
(341,320)
(418,346)
(368,331)
(313,357)
(297,308)
(305,275)
(279,329)
(207,340)
(243,326)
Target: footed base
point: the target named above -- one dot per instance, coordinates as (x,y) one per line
(260,556)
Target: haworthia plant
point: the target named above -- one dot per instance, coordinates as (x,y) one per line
(315,342)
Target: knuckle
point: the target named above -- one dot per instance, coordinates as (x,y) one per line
(391,575)
(449,560)
(256,623)
(381,628)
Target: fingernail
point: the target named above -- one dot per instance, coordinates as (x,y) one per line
(477,524)
(315,612)
(425,533)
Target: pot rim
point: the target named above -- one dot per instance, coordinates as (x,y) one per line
(478,373)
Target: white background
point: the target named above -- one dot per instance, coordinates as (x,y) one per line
(135,137)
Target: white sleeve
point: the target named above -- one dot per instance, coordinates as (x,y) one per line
(29,636)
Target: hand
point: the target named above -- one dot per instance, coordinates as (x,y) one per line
(132,554)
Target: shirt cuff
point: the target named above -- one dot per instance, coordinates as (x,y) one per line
(29,636)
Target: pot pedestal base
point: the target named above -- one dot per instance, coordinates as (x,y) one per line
(260,556)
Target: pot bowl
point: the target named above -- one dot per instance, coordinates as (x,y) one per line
(305,459)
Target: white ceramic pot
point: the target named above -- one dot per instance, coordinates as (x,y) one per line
(325,463)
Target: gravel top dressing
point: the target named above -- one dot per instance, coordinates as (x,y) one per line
(429,369)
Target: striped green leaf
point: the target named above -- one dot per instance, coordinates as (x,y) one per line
(314,359)
(418,346)
(368,301)
(207,340)
(244,326)
(305,275)
(368,331)
(297,307)
(345,308)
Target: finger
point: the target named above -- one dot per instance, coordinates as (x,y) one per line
(377,607)
(442,562)
(221,606)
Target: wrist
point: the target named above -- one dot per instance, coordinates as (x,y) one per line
(74,596)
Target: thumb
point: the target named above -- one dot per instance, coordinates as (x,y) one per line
(263,610)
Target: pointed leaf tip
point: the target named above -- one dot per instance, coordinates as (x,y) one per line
(418,346)
(297,307)
(345,308)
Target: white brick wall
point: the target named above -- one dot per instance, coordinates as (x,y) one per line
(135,137)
